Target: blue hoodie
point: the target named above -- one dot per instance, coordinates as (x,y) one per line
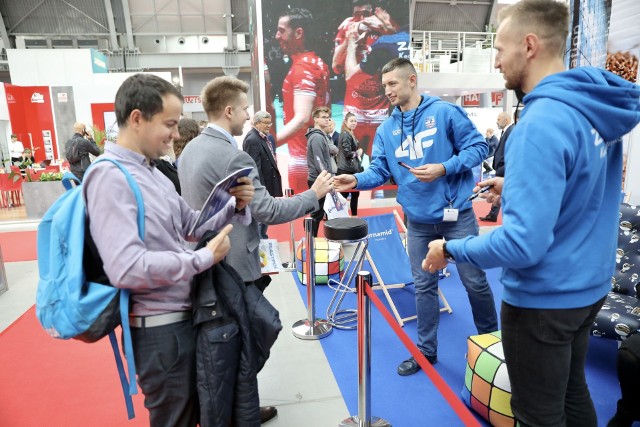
(561,194)
(434,132)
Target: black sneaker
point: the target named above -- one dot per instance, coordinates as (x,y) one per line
(410,366)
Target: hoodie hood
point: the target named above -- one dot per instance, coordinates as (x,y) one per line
(610,103)
(425,101)
(435,132)
(407,119)
(312,131)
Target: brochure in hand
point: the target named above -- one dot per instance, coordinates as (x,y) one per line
(218,198)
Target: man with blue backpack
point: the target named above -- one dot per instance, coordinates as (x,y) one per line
(157,268)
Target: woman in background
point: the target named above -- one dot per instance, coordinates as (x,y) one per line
(188,129)
(168,164)
(349,156)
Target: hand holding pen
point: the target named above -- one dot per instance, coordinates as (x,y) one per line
(482,190)
(490,188)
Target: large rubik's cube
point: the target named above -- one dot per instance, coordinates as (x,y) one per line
(329,261)
(487,389)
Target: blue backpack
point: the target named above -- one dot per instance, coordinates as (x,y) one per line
(68,305)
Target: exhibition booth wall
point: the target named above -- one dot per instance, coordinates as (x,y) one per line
(53,89)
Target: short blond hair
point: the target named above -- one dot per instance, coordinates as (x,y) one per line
(548,19)
(221,92)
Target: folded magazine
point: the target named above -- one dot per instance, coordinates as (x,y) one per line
(218,198)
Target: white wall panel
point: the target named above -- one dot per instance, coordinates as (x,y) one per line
(49,67)
(4,108)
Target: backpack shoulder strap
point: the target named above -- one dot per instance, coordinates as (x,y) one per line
(136,192)
(128,387)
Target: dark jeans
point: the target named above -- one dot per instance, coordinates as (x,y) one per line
(545,351)
(166,364)
(354,201)
(316,216)
(473,279)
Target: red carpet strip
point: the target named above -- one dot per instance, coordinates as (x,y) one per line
(50,382)
(18,246)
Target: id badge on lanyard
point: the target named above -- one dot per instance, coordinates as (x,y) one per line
(450,214)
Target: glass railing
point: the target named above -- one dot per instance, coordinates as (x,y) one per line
(123,60)
(453,52)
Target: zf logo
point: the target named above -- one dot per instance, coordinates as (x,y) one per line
(413,148)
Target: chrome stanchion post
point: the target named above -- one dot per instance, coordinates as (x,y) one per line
(311,328)
(291,265)
(364,418)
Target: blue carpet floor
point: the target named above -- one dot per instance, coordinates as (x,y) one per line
(414,401)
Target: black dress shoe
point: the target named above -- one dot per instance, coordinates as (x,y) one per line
(489,218)
(410,366)
(267,413)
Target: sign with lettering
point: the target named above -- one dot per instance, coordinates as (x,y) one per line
(192,99)
(473,100)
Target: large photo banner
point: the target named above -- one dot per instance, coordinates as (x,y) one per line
(623,51)
(589,32)
(327,53)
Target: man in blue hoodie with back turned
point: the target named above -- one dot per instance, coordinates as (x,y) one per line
(438,145)
(561,199)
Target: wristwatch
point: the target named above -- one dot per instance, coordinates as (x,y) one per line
(447,255)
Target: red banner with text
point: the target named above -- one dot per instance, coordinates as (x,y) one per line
(32,119)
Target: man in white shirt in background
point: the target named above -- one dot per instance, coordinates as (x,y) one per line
(15,150)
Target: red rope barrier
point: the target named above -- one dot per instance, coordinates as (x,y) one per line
(452,398)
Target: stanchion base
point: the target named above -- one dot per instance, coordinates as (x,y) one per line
(305,331)
(354,421)
(344,319)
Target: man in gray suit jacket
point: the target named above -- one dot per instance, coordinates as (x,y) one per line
(214,154)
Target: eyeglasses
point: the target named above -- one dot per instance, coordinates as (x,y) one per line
(266,123)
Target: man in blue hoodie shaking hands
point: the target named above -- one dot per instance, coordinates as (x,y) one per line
(561,198)
(429,147)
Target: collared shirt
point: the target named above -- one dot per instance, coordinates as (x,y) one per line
(158,269)
(223,131)
(267,142)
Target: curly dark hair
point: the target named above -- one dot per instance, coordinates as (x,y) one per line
(188,129)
